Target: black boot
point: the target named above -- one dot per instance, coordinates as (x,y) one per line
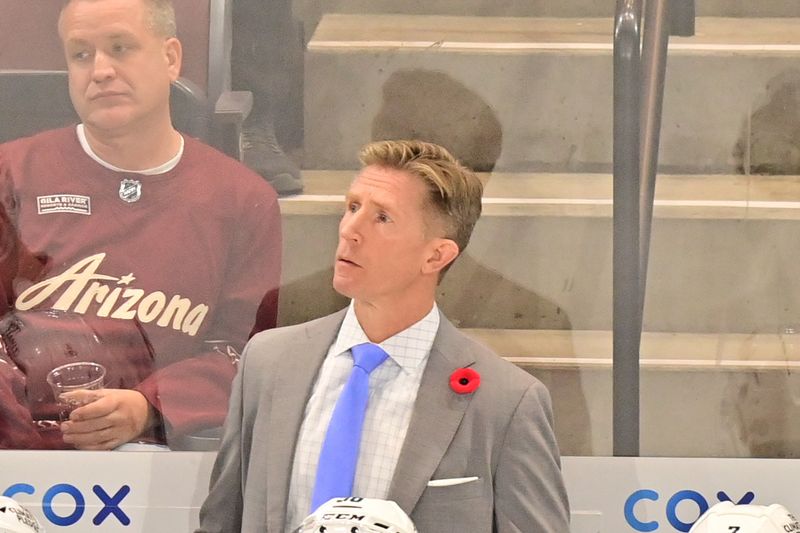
(263,154)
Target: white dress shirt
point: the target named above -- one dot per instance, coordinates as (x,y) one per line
(392,391)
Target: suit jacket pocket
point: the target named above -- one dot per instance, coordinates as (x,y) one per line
(459,508)
(455,489)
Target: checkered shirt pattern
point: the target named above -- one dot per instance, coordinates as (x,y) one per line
(392,391)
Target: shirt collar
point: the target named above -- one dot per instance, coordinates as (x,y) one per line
(409,348)
(160,169)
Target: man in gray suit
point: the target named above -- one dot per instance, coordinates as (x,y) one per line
(461,439)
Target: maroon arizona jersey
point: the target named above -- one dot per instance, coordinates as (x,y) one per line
(190,255)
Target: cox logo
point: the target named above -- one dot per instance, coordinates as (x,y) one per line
(110,503)
(672,504)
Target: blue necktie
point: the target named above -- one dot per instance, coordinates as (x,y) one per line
(338,457)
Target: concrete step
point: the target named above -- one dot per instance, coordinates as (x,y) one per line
(311,11)
(664,351)
(723,254)
(534,94)
(725,395)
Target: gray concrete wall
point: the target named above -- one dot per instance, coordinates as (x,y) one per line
(738,276)
(311,10)
(683,414)
(549,111)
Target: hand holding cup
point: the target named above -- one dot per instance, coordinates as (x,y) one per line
(79,376)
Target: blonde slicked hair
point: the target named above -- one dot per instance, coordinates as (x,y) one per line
(454,191)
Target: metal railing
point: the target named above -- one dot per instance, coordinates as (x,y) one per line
(640,59)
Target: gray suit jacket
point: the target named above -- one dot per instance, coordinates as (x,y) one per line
(502,434)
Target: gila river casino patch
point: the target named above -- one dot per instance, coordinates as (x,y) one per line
(64,203)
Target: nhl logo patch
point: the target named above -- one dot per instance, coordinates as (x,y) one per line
(130,190)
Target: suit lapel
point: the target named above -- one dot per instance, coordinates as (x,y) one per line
(296,372)
(438,411)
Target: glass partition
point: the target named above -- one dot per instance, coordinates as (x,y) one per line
(522,93)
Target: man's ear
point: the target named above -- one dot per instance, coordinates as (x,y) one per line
(443,252)
(173,53)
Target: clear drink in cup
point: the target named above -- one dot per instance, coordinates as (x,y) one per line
(74,376)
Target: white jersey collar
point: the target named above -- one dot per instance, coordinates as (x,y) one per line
(160,169)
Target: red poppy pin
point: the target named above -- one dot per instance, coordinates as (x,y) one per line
(465,380)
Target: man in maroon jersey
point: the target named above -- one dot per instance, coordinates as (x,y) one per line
(130,224)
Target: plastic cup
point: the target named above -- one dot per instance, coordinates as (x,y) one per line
(74,376)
